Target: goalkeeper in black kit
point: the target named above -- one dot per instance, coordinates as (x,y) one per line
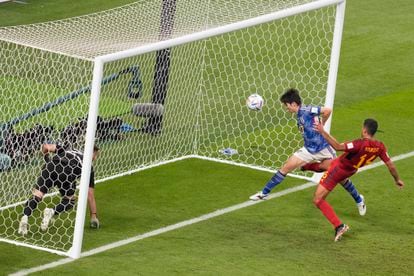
(62,170)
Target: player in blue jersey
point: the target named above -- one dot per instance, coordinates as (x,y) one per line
(315,149)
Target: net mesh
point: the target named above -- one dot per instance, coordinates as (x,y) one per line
(29,80)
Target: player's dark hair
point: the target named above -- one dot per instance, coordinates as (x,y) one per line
(96,148)
(371,126)
(291,96)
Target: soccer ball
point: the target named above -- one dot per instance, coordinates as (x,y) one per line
(255,102)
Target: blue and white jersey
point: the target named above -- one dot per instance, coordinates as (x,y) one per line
(307,116)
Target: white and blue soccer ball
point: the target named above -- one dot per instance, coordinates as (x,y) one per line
(255,102)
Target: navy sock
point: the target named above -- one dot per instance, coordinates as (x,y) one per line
(275,180)
(31,205)
(349,186)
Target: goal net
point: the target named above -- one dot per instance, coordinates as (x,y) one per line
(153,82)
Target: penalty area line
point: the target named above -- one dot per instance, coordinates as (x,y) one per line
(191,221)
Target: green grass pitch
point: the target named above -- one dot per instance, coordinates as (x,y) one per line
(283,236)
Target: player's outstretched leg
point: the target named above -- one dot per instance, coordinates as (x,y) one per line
(319,200)
(362,208)
(258,196)
(273,182)
(314,167)
(347,184)
(30,205)
(64,205)
(359,199)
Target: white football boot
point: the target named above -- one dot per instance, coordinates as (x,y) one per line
(362,208)
(47,217)
(258,196)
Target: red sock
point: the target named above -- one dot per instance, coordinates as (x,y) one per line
(328,212)
(312,167)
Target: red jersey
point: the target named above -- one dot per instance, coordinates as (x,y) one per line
(361,152)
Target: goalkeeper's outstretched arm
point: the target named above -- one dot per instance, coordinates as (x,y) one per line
(94,222)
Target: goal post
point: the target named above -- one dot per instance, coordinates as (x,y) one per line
(219,52)
(90,134)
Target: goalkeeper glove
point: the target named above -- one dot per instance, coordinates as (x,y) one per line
(94,223)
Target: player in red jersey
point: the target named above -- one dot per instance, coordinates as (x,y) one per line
(357,153)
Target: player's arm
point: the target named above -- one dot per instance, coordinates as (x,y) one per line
(325,114)
(391,167)
(94,223)
(383,154)
(329,138)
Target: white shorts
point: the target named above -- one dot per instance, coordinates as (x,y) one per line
(305,155)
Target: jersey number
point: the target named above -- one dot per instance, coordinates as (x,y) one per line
(363,161)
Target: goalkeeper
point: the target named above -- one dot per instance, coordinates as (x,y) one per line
(315,149)
(62,170)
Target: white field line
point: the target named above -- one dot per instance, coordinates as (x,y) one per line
(190,221)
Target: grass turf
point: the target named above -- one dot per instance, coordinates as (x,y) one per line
(282,236)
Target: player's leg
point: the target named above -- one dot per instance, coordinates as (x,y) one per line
(41,188)
(30,206)
(31,203)
(326,156)
(321,160)
(324,164)
(65,204)
(326,185)
(346,184)
(67,192)
(292,163)
(319,200)
(359,199)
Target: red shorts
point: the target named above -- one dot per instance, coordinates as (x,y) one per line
(334,175)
